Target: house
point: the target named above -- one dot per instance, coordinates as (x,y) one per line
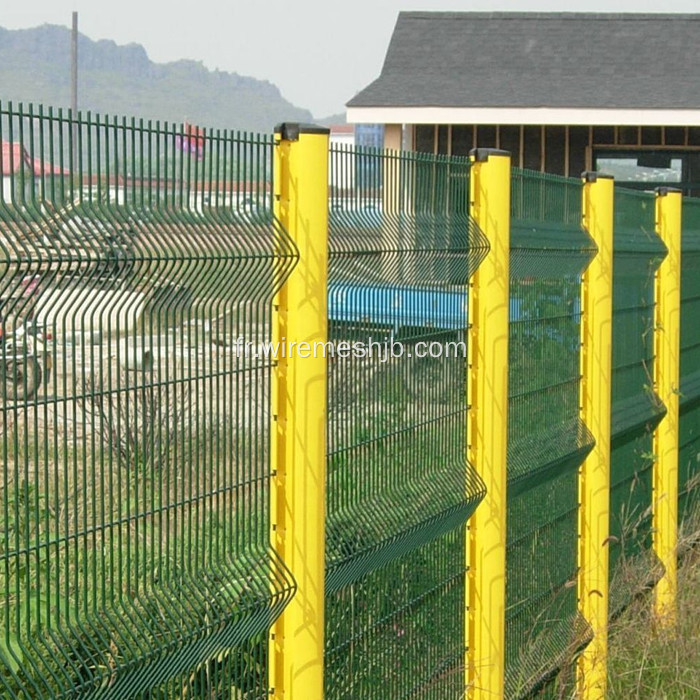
(563,92)
(353,136)
(13,168)
(362,135)
(342,135)
(22,174)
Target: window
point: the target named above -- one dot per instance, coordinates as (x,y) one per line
(650,168)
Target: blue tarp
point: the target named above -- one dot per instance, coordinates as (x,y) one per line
(397,307)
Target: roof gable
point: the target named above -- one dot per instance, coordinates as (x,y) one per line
(559,60)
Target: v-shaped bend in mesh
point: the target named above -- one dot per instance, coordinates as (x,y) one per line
(135,439)
(402,248)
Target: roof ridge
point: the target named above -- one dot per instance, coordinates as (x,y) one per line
(628,16)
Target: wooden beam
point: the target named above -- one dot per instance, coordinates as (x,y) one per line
(521,155)
(543,151)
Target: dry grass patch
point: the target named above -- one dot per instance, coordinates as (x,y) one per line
(649,663)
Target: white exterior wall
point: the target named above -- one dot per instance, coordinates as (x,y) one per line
(6,188)
(343,140)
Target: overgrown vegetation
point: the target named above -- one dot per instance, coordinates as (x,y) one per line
(648,662)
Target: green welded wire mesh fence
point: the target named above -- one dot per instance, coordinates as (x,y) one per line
(402,248)
(547,440)
(689,447)
(138,266)
(636,409)
(134,556)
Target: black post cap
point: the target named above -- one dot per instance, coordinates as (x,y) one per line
(481,155)
(289,131)
(594,176)
(663,191)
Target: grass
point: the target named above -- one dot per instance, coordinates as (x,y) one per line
(648,662)
(87,551)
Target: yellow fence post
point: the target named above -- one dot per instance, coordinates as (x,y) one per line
(667,385)
(487,426)
(298,449)
(594,475)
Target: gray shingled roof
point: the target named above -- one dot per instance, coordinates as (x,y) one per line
(470,59)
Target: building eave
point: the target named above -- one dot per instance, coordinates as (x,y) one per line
(545,116)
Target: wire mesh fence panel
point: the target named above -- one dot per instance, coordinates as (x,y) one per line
(138,262)
(402,248)
(689,447)
(636,409)
(547,441)
(397,632)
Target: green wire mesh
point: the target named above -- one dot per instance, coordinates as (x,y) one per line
(689,447)
(636,410)
(398,632)
(134,530)
(543,631)
(402,248)
(137,259)
(547,440)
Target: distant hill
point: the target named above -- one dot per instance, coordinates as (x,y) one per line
(122,80)
(333,120)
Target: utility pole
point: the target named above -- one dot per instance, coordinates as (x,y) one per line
(74,88)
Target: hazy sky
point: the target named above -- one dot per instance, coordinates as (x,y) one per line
(318,53)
